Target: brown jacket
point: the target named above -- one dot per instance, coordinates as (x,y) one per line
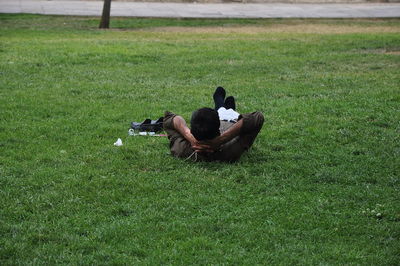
(229,152)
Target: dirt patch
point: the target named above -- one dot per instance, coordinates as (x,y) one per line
(306,28)
(393,52)
(379,51)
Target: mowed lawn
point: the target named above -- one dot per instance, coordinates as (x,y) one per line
(320,185)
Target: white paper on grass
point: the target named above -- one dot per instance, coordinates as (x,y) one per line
(118,142)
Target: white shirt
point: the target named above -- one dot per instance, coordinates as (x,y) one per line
(227,114)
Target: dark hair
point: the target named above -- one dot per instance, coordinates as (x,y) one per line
(205,124)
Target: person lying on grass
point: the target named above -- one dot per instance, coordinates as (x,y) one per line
(219,134)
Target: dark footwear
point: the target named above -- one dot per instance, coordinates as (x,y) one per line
(147,121)
(149,125)
(230,103)
(156,125)
(139,125)
(219,97)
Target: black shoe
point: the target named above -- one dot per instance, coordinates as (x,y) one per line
(219,97)
(230,103)
(149,125)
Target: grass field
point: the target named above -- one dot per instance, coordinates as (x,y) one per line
(320,185)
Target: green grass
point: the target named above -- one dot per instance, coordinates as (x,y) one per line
(308,192)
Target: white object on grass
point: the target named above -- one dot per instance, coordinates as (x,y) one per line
(227,114)
(118,142)
(131,132)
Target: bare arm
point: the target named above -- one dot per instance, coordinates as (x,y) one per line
(182,128)
(208,145)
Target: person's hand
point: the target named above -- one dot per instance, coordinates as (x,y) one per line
(210,145)
(201,147)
